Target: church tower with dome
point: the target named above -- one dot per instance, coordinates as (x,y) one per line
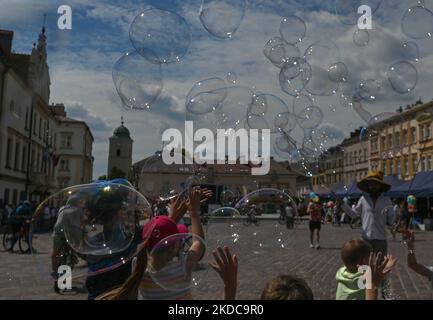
(120,153)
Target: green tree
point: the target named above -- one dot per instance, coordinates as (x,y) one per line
(104,177)
(116,173)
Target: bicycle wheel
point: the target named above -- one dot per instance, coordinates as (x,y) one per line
(8,239)
(25,240)
(24,243)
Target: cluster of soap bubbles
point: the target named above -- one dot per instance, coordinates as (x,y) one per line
(162,37)
(158,37)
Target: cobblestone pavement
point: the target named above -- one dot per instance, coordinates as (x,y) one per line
(264,251)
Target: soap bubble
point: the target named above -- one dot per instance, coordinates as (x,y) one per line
(403,77)
(410,51)
(279,52)
(361,38)
(286,122)
(160,36)
(138,82)
(231,78)
(369,89)
(227,197)
(274,115)
(310,118)
(417,23)
(321,55)
(96,229)
(338,72)
(302,102)
(225,226)
(206,96)
(294,76)
(230,113)
(293,29)
(222,18)
(170,263)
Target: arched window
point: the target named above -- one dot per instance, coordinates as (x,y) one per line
(118,152)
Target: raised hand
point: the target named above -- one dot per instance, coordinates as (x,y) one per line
(226,265)
(178,208)
(194,201)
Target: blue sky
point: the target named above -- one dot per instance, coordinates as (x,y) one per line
(81,60)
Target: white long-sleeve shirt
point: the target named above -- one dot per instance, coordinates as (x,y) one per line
(375,217)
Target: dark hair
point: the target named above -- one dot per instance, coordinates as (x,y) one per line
(287,287)
(354,251)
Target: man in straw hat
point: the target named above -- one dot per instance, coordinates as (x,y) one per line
(375,210)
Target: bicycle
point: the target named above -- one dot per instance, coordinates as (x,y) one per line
(24,237)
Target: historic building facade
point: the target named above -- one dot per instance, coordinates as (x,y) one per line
(400,145)
(30,128)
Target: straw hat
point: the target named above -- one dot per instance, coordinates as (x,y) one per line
(376,176)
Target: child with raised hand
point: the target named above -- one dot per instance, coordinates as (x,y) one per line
(168,259)
(356,253)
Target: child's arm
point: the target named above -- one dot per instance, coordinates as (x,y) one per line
(227,267)
(197,249)
(411,258)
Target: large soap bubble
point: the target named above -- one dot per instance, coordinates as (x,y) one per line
(294,76)
(417,23)
(280,52)
(97,230)
(403,77)
(172,262)
(310,118)
(206,96)
(231,112)
(321,56)
(259,202)
(160,36)
(138,81)
(293,29)
(268,112)
(222,18)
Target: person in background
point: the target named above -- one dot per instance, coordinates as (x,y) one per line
(46,219)
(398,211)
(373,208)
(411,210)
(314,209)
(290,215)
(53,214)
(337,214)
